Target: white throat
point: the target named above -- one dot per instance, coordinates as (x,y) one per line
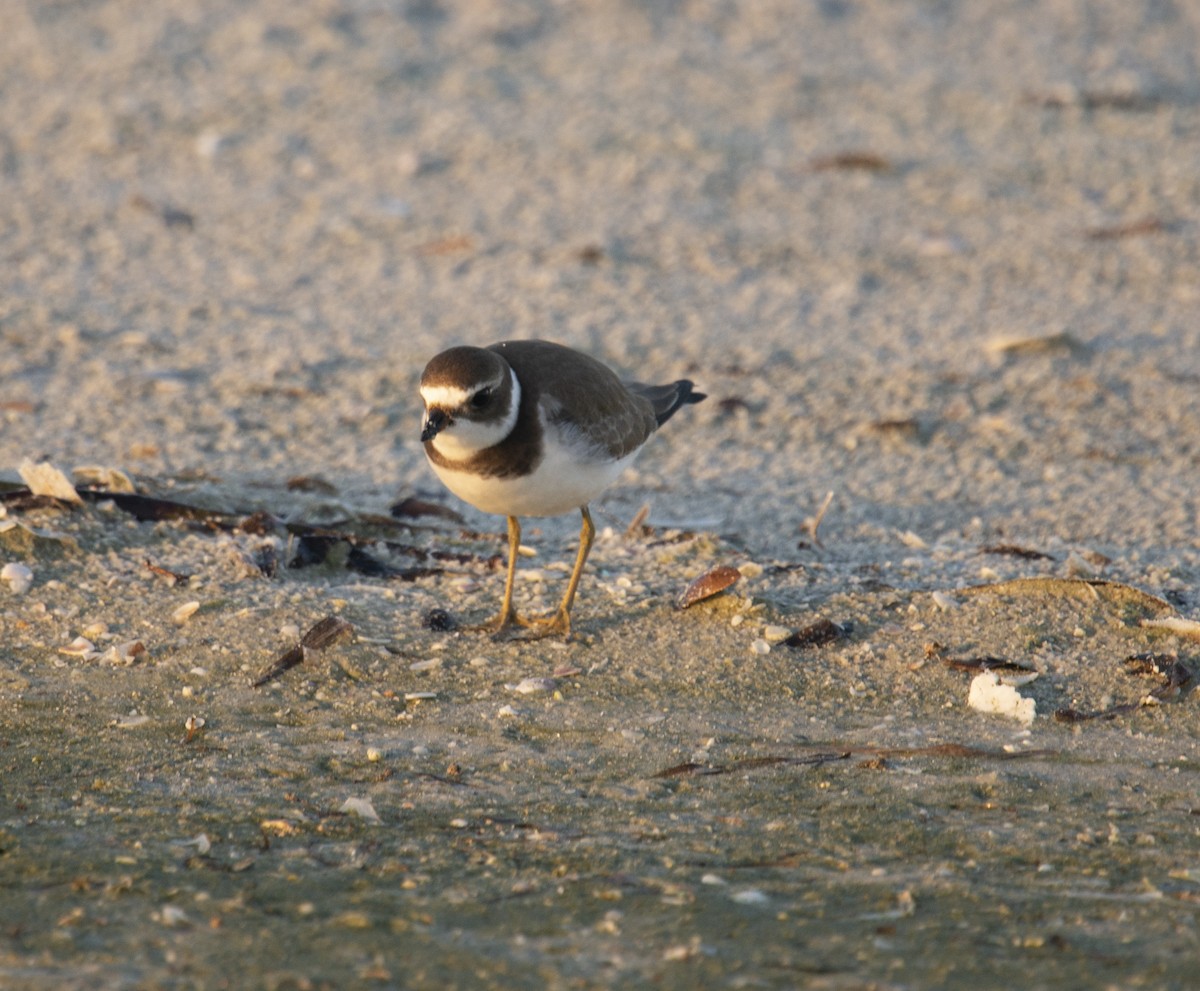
(467,437)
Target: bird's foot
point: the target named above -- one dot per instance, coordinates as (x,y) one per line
(515,627)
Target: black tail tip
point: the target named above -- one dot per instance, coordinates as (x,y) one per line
(688,393)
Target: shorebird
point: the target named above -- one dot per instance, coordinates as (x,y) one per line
(532,428)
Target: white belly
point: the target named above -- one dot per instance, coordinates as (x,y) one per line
(561,483)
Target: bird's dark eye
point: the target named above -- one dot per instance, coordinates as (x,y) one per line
(481,398)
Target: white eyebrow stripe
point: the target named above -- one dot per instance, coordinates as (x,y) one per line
(445,396)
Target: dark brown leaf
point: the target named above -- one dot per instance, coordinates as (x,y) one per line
(327,631)
(412,507)
(146,508)
(851,161)
(1135,228)
(1012,550)
(987,664)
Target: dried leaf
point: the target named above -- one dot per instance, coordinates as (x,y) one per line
(1012,550)
(1035,345)
(1134,228)
(412,507)
(287,660)
(145,508)
(324,633)
(847,161)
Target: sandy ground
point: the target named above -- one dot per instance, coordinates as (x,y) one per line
(939,260)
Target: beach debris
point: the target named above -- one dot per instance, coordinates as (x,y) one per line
(18,576)
(171,216)
(1175,624)
(311,483)
(124,654)
(452,244)
(319,636)
(681,952)
(181,614)
(439,620)
(1043,344)
(1133,228)
(44,479)
(362,808)
(760,646)
(192,726)
(816,634)
(413,508)
(1176,678)
(102,477)
(712,582)
(901,428)
(533,686)
(944,602)
(813,523)
(1010,672)
(1128,100)
(851,161)
(172,916)
(151,509)
(1085,589)
(200,841)
(172,578)
(989,694)
(131,721)
(693,768)
(638,526)
(1015,550)
(80,647)
(1080,567)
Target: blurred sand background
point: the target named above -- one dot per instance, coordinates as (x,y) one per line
(940,259)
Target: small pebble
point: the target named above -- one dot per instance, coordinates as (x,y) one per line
(173,916)
(944,602)
(362,808)
(184,612)
(125,654)
(532,686)
(760,647)
(373,755)
(18,576)
(79,647)
(774,634)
